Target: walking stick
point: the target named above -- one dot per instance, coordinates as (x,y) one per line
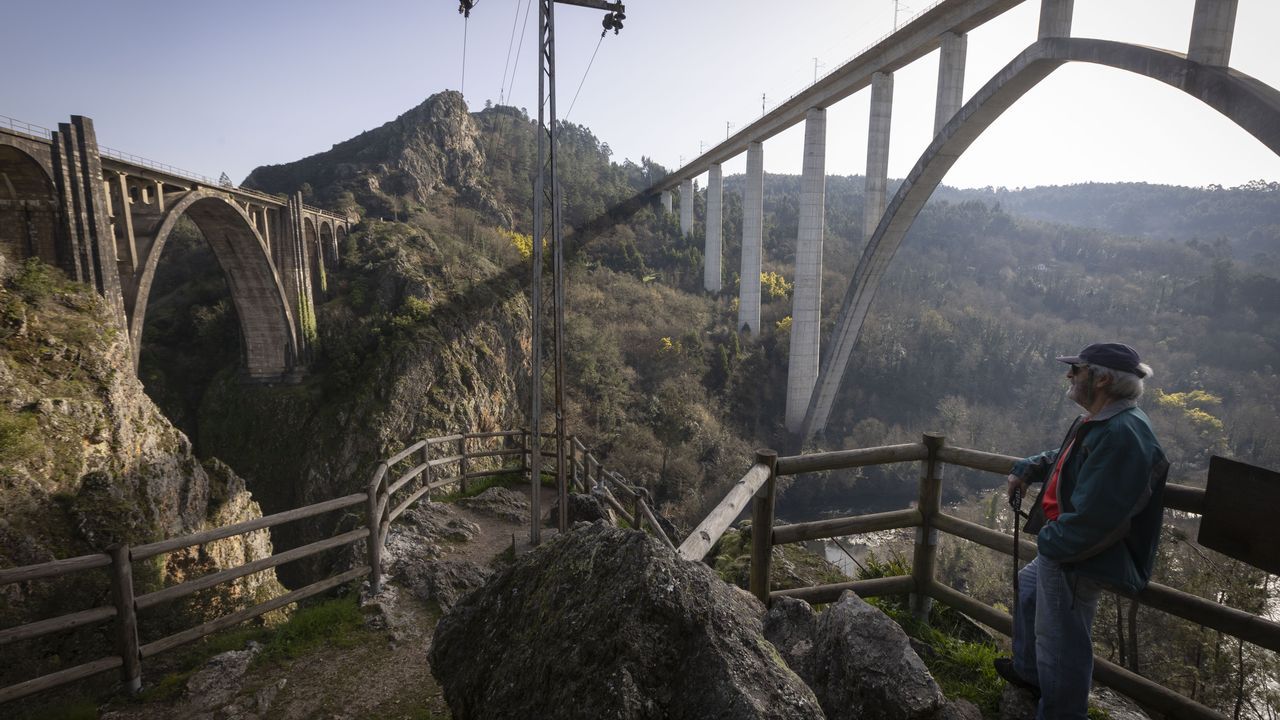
(1015,502)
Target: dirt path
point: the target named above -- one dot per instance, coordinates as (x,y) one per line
(380,671)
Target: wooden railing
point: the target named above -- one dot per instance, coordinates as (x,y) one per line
(451,460)
(758,486)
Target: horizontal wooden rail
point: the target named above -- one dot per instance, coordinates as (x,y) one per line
(226,621)
(445,460)
(493,473)
(1247,626)
(406,478)
(984,536)
(1184,498)
(839,527)
(896,585)
(52,625)
(54,568)
(796,464)
(204,583)
(496,453)
(444,439)
(653,523)
(52,680)
(995,619)
(699,542)
(611,501)
(142,552)
(977,459)
(391,461)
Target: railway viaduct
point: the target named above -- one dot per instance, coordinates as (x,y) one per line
(1201,69)
(104,217)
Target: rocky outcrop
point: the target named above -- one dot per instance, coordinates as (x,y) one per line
(415,548)
(431,149)
(857,660)
(500,503)
(87,461)
(607,623)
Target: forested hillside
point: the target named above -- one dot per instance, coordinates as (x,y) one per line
(421,333)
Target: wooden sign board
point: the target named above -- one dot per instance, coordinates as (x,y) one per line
(1240,506)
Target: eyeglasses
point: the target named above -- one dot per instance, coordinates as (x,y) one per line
(1077,369)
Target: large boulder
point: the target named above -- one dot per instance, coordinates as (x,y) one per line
(858,661)
(603,622)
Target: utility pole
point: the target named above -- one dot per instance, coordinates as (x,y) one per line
(547,192)
(816,65)
(762,96)
(727,127)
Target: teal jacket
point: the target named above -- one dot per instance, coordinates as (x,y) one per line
(1111,498)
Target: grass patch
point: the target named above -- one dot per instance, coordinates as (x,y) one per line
(479,485)
(332,622)
(18,436)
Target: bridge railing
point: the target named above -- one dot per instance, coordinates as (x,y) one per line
(162,167)
(758,486)
(25,128)
(403,479)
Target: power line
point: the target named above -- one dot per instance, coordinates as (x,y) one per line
(507,64)
(519,47)
(584,77)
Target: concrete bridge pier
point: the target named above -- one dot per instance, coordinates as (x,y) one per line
(715,230)
(877,181)
(806,304)
(752,241)
(686,207)
(1212,28)
(950,78)
(1055,18)
(666,202)
(76,144)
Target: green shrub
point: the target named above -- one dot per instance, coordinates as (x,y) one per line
(36,281)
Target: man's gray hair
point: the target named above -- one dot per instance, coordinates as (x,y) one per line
(1123,385)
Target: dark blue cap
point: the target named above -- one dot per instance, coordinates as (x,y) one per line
(1116,356)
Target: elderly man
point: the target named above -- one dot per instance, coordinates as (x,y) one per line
(1097,520)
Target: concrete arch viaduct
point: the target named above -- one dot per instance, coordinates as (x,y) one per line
(104,217)
(812,387)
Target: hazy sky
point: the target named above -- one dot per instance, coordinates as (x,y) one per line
(227,86)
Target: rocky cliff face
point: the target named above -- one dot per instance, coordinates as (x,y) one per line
(430,150)
(87,461)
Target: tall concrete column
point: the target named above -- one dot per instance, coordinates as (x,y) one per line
(1212,28)
(752,240)
(877,152)
(806,302)
(950,78)
(715,230)
(666,201)
(125,214)
(1055,18)
(686,207)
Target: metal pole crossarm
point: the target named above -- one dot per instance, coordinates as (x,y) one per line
(596,4)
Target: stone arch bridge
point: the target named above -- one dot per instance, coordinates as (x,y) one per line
(814,379)
(104,218)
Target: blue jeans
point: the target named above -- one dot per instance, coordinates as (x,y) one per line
(1053,637)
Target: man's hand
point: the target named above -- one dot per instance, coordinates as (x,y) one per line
(1015,483)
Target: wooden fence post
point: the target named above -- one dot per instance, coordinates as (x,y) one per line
(573,465)
(762,527)
(462,464)
(524,456)
(126,617)
(926,547)
(426,469)
(374,520)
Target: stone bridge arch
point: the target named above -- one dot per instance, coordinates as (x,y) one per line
(29,205)
(1249,103)
(267,337)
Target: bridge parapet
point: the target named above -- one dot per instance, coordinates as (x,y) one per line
(104,215)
